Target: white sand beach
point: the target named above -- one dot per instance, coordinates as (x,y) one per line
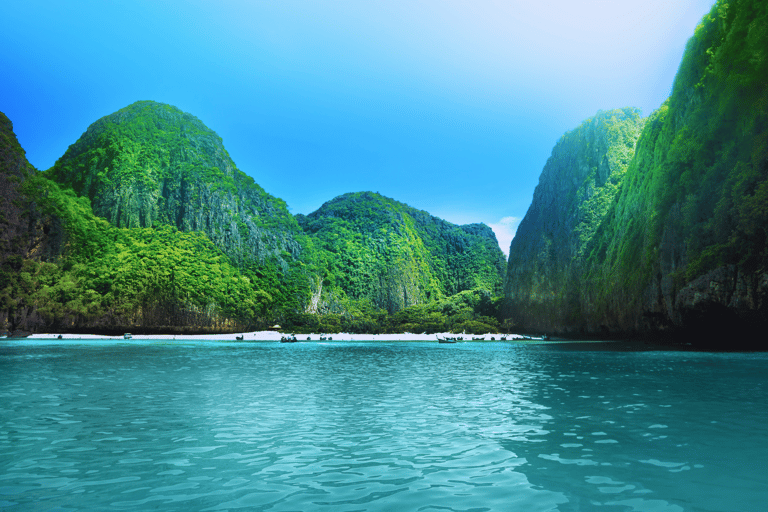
(276,336)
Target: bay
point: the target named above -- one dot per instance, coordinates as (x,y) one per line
(347,426)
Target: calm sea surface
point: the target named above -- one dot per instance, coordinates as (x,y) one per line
(346,426)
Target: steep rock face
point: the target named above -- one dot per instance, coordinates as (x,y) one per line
(684,246)
(575,191)
(373,248)
(687,242)
(151,164)
(24,230)
(28,233)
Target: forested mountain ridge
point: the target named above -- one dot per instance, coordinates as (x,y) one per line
(376,249)
(146,225)
(684,246)
(638,226)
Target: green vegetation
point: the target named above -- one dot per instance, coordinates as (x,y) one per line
(576,191)
(700,177)
(471,311)
(372,248)
(148,226)
(636,225)
(691,203)
(151,164)
(110,278)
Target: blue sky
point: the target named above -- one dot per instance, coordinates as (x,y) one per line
(451,107)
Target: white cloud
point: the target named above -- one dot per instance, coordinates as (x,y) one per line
(505,231)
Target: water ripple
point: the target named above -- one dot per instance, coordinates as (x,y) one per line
(367,427)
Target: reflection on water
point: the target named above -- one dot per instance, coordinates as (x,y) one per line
(368,426)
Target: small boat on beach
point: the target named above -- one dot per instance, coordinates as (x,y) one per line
(127,336)
(288,339)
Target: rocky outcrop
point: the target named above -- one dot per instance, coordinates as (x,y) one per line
(27,233)
(187,243)
(63,269)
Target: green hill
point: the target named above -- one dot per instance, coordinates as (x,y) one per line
(376,249)
(64,269)
(151,164)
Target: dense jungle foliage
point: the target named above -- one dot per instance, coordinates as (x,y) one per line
(185,242)
(111,278)
(637,226)
(700,175)
(375,249)
(151,164)
(469,311)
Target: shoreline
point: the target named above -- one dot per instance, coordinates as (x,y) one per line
(273,336)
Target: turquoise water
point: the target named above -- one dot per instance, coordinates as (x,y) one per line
(380,426)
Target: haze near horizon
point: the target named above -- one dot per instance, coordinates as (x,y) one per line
(450,107)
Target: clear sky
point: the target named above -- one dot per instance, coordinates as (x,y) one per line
(452,107)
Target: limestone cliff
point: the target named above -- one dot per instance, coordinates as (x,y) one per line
(145,225)
(683,248)
(64,269)
(576,189)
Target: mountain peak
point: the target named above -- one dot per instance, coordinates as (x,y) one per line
(152,164)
